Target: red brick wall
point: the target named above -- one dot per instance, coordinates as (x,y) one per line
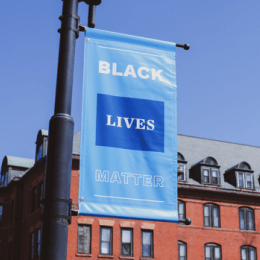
(229,236)
(164,234)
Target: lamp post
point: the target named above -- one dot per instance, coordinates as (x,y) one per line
(57,204)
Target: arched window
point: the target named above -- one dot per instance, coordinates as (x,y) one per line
(181,167)
(212,251)
(182,250)
(211,161)
(211,215)
(181,211)
(248,253)
(210,171)
(246,219)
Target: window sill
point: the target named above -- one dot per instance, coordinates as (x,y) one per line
(146,258)
(105,256)
(83,255)
(126,257)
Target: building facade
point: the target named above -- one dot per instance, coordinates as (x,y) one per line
(218,189)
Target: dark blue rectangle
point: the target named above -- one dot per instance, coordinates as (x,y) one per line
(130,123)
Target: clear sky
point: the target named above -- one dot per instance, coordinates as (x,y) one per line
(218,78)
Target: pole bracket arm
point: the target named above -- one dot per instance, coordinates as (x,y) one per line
(184,46)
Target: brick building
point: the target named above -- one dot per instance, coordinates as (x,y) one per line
(218,187)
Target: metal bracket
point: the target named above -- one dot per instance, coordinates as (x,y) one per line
(78,25)
(44,215)
(186,221)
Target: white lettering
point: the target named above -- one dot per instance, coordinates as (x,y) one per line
(140,123)
(114,72)
(109,121)
(151,124)
(126,175)
(147,180)
(115,177)
(99,176)
(130,71)
(156,74)
(119,121)
(139,72)
(158,181)
(136,177)
(104,67)
(128,125)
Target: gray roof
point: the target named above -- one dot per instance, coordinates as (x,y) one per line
(195,149)
(228,155)
(19,162)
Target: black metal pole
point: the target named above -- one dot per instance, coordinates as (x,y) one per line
(56,212)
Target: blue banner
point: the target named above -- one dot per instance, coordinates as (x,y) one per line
(128,158)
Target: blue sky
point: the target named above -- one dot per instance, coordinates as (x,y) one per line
(218,78)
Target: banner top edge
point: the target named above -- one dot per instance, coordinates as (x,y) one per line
(108,36)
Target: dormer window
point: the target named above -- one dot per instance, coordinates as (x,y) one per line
(240,176)
(206,171)
(41,144)
(181,167)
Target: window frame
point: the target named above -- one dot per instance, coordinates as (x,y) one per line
(121,241)
(181,172)
(90,239)
(245,210)
(32,242)
(210,177)
(41,191)
(245,186)
(184,207)
(12,211)
(211,215)
(39,242)
(212,247)
(247,248)
(142,241)
(181,243)
(110,240)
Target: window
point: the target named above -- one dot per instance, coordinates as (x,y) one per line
(41,194)
(181,171)
(212,252)
(1,214)
(127,242)
(84,239)
(210,176)
(211,215)
(245,180)
(6,179)
(34,196)
(32,245)
(182,250)
(181,167)
(147,243)
(246,219)
(39,242)
(106,241)
(181,211)
(12,211)
(39,152)
(248,253)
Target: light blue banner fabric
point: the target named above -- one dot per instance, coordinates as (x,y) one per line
(128,158)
